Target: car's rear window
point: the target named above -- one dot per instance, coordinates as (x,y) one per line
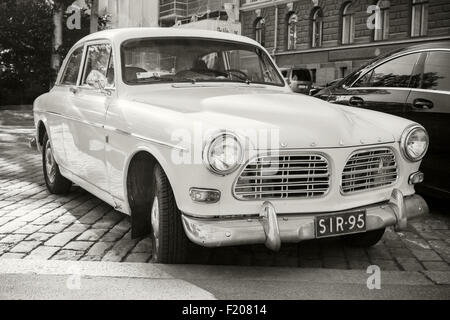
(301,75)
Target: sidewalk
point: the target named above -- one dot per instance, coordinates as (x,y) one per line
(24,279)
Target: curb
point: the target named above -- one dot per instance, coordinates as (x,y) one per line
(20,107)
(201,272)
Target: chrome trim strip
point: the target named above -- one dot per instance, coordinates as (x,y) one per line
(90,123)
(140,137)
(158,142)
(430,91)
(378,88)
(119,131)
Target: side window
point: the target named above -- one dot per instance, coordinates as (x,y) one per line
(70,75)
(436,75)
(395,73)
(98,64)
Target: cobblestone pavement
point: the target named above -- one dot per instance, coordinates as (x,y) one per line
(37,225)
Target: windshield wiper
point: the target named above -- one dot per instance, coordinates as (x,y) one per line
(191,80)
(240,75)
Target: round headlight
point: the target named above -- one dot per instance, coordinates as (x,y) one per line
(414,143)
(223,154)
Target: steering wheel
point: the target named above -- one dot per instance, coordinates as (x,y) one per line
(238,73)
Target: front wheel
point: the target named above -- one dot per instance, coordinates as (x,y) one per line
(364,240)
(55,181)
(170,243)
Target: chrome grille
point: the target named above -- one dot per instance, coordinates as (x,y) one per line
(283,176)
(369,169)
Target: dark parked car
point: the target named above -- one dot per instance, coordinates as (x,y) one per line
(413,83)
(298,79)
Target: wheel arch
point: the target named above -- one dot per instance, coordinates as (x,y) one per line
(138,188)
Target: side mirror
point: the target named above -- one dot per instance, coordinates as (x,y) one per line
(96,79)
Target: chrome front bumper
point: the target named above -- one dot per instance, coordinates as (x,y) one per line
(272,229)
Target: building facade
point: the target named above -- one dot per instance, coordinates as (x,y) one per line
(334,37)
(219,15)
(129,13)
(176,12)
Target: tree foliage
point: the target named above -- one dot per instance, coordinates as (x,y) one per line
(26,33)
(25,47)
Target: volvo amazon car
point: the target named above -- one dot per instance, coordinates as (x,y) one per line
(413,83)
(198,138)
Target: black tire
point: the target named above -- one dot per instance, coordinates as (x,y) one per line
(56,183)
(364,240)
(170,243)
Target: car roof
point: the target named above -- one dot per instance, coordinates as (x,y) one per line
(444,44)
(121,34)
(418,47)
(427,45)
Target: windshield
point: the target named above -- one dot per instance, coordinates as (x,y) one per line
(147,61)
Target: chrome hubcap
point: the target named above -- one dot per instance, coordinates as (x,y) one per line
(50,164)
(155,224)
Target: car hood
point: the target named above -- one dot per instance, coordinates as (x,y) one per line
(300,121)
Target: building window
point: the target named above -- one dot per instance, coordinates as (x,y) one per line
(314,75)
(292,31)
(317,28)
(343,72)
(382,21)
(260,30)
(419,18)
(348,24)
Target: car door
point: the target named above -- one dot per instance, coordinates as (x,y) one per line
(85,134)
(58,101)
(385,87)
(429,105)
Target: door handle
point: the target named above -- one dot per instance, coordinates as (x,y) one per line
(74,90)
(356,101)
(422,104)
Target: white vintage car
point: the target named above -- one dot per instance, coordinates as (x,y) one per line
(196,135)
